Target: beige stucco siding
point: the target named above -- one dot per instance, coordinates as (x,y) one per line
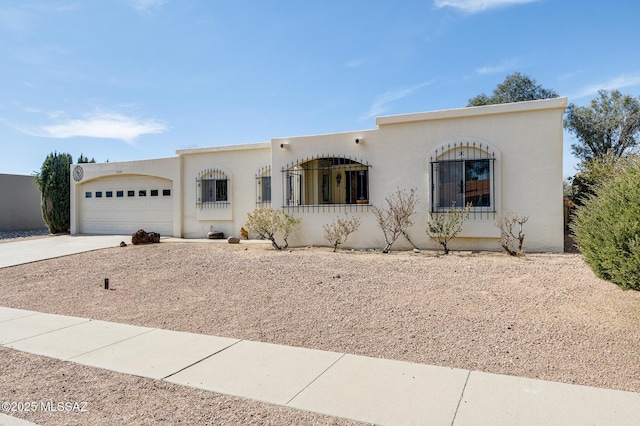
(158,174)
(525,138)
(239,164)
(517,149)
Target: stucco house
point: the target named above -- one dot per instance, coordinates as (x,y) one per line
(499,158)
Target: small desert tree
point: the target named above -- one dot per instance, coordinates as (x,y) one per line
(337,232)
(267,222)
(443,226)
(397,216)
(511,233)
(53,181)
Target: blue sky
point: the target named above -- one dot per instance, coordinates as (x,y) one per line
(126,80)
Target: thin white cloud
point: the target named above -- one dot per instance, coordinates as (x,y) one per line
(490,70)
(104,125)
(502,67)
(385,101)
(614,83)
(146,5)
(355,63)
(474,6)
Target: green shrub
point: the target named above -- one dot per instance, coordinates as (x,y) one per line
(607,229)
(597,171)
(53,181)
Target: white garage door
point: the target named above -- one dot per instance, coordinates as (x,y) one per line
(124,204)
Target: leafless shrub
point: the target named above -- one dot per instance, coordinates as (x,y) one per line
(397,216)
(267,222)
(443,226)
(508,236)
(338,231)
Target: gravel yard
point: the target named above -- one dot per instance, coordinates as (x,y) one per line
(542,316)
(7,236)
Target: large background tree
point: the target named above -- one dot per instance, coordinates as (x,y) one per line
(53,181)
(611,124)
(516,87)
(84,159)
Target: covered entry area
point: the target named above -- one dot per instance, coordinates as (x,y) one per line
(123,204)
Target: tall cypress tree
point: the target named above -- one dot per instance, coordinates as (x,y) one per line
(53,181)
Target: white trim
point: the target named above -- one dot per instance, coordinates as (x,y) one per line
(242,147)
(541,104)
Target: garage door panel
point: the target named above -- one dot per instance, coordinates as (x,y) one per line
(126,214)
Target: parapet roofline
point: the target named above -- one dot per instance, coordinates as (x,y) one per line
(540,104)
(223,148)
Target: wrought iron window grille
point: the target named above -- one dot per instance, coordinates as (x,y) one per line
(212,189)
(263,187)
(463,173)
(326,183)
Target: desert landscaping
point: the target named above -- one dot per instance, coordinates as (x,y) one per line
(543,316)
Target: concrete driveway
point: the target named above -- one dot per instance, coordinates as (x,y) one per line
(19,252)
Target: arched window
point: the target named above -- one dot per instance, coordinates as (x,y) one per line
(463,173)
(212,186)
(326,181)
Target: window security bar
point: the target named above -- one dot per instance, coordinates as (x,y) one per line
(326,183)
(463,174)
(212,189)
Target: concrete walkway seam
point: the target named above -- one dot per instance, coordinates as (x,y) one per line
(317,377)
(453,421)
(42,334)
(200,360)
(110,344)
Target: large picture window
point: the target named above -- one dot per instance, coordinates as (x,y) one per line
(461,176)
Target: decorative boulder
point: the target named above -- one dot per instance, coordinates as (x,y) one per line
(143,237)
(233,240)
(123,244)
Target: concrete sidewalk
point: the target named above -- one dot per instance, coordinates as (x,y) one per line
(372,390)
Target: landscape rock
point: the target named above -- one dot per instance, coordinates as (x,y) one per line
(215,235)
(233,240)
(143,237)
(123,244)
